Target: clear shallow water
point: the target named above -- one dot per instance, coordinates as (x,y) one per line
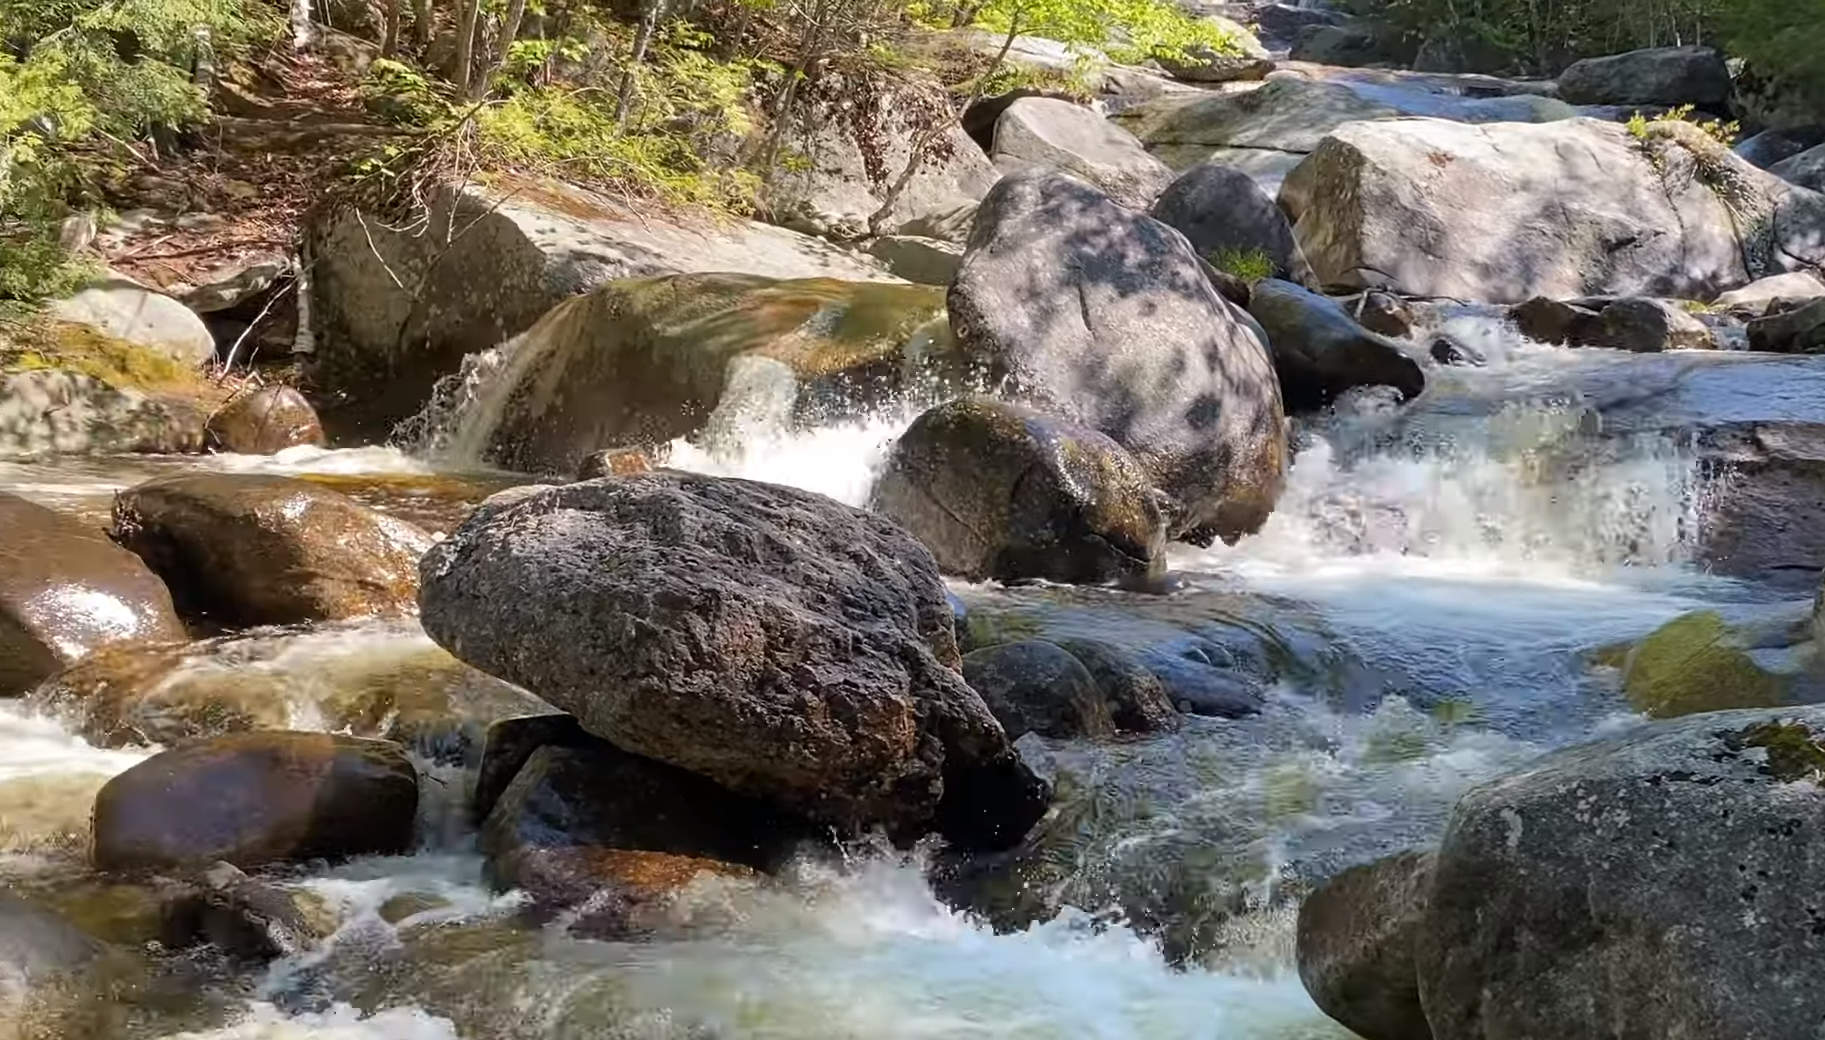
(1429,590)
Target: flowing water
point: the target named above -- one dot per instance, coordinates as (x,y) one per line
(1419,615)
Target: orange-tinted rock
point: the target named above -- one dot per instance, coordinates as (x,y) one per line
(248,549)
(66,591)
(265,422)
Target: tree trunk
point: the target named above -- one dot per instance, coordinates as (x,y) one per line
(422,24)
(464,62)
(389,36)
(510,31)
(923,144)
(643,38)
(303,31)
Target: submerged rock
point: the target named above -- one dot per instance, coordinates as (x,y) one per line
(37,944)
(254,799)
(1496,221)
(1037,687)
(1059,135)
(1104,317)
(265,422)
(1653,76)
(1320,351)
(1356,941)
(1230,221)
(245,918)
(247,549)
(998,491)
(1664,876)
(594,827)
(777,642)
(1698,662)
(1138,699)
(922,261)
(66,592)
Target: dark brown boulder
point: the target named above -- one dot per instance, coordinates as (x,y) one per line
(593,824)
(65,592)
(782,644)
(246,549)
(614,462)
(1356,947)
(1137,697)
(265,422)
(257,798)
(998,491)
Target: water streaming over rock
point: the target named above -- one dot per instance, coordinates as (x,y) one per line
(1418,613)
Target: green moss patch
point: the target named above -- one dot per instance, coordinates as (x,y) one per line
(69,347)
(1696,663)
(1794,751)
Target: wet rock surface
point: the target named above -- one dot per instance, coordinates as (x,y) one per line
(997,491)
(1658,875)
(66,592)
(254,799)
(772,640)
(265,422)
(247,549)
(1356,942)
(1798,331)
(589,825)
(1104,317)
(1320,352)
(1037,687)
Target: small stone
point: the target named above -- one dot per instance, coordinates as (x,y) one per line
(1356,942)
(1037,687)
(615,462)
(265,422)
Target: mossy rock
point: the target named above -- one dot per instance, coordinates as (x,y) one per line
(1699,662)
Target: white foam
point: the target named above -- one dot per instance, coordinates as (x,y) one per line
(32,745)
(840,461)
(263,1021)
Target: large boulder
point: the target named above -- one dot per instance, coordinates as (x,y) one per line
(265,422)
(127,311)
(1655,76)
(1103,316)
(1226,217)
(1637,324)
(779,643)
(645,361)
(1351,45)
(1268,131)
(592,824)
(1806,169)
(852,148)
(66,592)
(1501,213)
(254,799)
(249,549)
(1798,331)
(1000,491)
(1661,882)
(1059,135)
(1320,351)
(59,411)
(1034,686)
(1355,946)
(397,309)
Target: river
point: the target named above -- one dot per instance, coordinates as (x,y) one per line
(1419,614)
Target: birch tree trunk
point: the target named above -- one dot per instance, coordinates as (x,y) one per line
(463,66)
(303,30)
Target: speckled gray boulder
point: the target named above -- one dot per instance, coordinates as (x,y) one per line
(780,643)
(1104,317)
(1665,882)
